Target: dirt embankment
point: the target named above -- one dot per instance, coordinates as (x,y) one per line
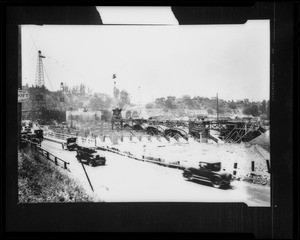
(41,181)
(249,162)
(263,141)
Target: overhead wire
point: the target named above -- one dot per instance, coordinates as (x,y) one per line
(242,87)
(48,77)
(43,68)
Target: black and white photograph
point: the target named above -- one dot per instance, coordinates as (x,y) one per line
(137,113)
(150,121)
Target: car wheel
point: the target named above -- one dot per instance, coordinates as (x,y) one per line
(188,176)
(91,163)
(216,182)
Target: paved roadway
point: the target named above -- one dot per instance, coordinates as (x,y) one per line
(123,179)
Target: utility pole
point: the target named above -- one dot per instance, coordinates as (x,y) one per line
(63,100)
(217,109)
(87,176)
(19,121)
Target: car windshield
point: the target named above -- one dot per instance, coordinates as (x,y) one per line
(90,150)
(71,140)
(214,167)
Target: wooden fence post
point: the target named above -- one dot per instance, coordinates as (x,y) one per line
(252,166)
(268,165)
(235,167)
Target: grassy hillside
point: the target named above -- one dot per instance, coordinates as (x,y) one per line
(41,181)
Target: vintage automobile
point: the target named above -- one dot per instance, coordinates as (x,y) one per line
(209,172)
(39,134)
(24,138)
(32,137)
(70,144)
(91,156)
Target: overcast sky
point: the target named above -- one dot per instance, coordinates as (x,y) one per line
(198,60)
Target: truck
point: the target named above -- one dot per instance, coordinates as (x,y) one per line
(70,144)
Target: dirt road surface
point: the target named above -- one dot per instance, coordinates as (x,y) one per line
(123,179)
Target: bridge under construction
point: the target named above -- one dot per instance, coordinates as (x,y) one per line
(231,131)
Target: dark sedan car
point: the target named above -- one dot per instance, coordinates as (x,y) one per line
(70,144)
(91,156)
(209,172)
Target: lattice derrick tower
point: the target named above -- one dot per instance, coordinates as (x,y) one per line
(39,101)
(39,77)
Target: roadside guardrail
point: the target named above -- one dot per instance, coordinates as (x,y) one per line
(145,159)
(58,161)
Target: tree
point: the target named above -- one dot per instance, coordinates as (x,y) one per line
(124,97)
(116,93)
(186,97)
(232,105)
(108,103)
(170,104)
(106,115)
(75,90)
(188,101)
(149,105)
(252,110)
(268,109)
(96,117)
(96,103)
(82,89)
(263,107)
(210,111)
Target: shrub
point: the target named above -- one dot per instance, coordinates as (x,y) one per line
(40,181)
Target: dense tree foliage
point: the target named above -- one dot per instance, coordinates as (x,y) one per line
(252,110)
(210,111)
(210,105)
(96,103)
(106,115)
(56,102)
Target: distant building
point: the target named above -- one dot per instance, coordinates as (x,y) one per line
(82,115)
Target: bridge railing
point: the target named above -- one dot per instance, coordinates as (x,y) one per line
(58,135)
(51,157)
(88,142)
